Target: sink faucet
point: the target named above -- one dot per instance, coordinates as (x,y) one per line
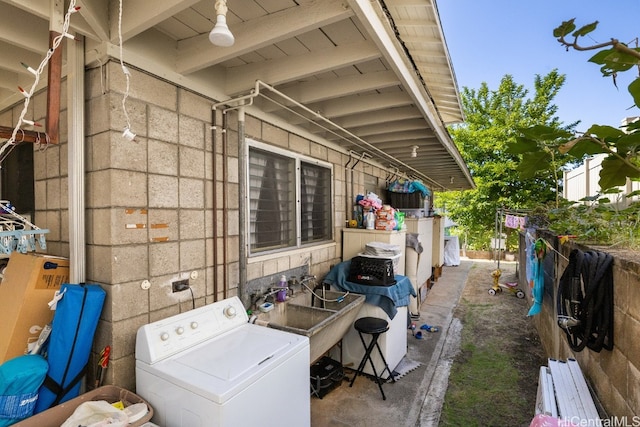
(304,280)
(277,289)
(274,290)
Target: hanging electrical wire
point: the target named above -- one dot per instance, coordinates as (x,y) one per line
(11,143)
(127,133)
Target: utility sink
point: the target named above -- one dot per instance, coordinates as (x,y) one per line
(325,327)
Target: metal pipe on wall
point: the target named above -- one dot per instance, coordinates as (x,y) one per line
(348,177)
(242,172)
(225,215)
(242,203)
(214,129)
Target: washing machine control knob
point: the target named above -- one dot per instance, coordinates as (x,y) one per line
(194,325)
(179,330)
(230,311)
(164,336)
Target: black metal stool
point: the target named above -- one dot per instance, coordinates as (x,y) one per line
(374,327)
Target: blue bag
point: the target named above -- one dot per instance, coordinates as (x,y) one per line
(20,379)
(74,324)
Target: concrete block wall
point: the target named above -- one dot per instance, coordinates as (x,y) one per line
(149,205)
(614,375)
(150,208)
(50,175)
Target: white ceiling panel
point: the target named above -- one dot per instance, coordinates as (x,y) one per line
(378,70)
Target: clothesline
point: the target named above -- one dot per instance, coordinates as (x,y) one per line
(515,221)
(548,245)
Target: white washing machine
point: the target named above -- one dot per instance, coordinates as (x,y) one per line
(210,367)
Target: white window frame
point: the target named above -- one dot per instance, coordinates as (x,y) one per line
(250,143)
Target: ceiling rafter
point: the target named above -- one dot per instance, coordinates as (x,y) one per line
(327,89)
(343,107)
(8,79)
(415,23)
(197,53)
(387,115)
(320,90)
(96,14)
(13,30)
(400,145)
(405,136)
(391,127)
(372,118)
(38,8)
(289,68)
(140,15)
(11,58)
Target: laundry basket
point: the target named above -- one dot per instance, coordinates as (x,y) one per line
(395,259)
(374,271)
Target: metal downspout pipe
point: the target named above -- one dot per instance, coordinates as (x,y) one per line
(76,165)
(214,130)
(242,172)
(348,177)
(225,205)
(242,202)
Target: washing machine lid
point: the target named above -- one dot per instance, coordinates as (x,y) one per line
(232,356)
(222,367)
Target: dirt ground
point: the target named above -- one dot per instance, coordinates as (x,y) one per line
(503,317)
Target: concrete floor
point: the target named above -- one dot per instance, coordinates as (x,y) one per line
(415,400)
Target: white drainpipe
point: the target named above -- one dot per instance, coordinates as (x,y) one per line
(76,168)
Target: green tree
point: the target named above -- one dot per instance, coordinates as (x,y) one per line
(620,145)
(493,122)
(599,221)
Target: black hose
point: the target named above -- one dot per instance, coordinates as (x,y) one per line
(585,301)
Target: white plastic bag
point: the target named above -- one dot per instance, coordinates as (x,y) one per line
(97,413)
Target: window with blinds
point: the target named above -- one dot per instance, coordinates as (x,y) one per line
(289,201)
(315,203)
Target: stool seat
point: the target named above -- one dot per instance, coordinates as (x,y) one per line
(371,325)
(375,327)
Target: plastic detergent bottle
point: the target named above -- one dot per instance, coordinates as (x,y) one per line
(282,295)
(370,220)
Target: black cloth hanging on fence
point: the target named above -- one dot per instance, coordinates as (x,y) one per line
(585,300)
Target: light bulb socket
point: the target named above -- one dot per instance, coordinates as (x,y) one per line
(127,134)
(220,34)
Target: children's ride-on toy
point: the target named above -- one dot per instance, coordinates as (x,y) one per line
(509,286)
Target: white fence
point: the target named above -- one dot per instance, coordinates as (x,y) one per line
(582,182)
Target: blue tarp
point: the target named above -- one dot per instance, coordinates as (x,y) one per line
(409,186)
(385,297)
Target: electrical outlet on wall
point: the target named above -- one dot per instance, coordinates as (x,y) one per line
(180,285)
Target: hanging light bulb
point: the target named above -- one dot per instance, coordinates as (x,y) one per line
(220,35)
(414,151)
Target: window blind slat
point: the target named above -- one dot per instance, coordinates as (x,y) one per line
(271,190)
(273,205)
(315,203)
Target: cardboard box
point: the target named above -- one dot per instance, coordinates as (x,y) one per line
(57,415)
(29,283)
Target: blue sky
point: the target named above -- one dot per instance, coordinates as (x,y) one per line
(491,38)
